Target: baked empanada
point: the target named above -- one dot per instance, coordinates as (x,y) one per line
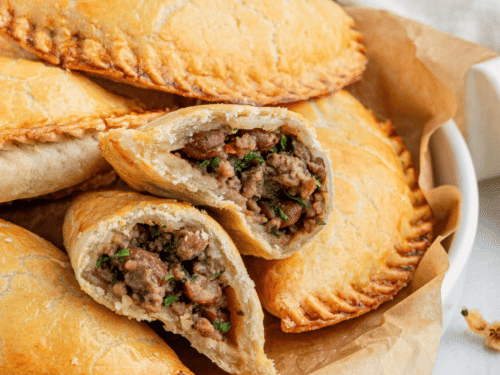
(49,121)
(154,259)
(380,227)
(259,171)
(49,326)
(250,52)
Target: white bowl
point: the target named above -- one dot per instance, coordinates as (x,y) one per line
(452,165)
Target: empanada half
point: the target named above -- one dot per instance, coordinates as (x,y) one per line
(259,171)
(227,50)
(49,326)
(49,122)
(380,227)
(154,259)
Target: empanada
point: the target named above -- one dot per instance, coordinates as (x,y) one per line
(49,326)
(250,52)
(49,121)
(154,259)
(259,171)
(380,227)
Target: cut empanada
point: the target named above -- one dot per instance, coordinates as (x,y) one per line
(380,227)
(155,259)
(250,52)
(49,122)
(49,326)
(259,171)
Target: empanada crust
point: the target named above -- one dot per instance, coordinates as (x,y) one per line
(232,51)
(380,227)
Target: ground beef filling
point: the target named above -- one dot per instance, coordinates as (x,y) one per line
(270,174)
(168,270)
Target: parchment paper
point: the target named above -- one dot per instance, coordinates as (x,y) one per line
(414,77)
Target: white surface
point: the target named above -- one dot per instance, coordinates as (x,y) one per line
(462,352)
(448,144)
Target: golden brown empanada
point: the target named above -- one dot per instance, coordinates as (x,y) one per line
(49,326)
(250,52)
(259,171)
(380,227)
(155,259)
(49,121)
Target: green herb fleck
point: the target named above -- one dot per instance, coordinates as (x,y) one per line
(194,277)
(274,150)
(464,311)
(274,232)
(300,201)
(167,277)
(224,327)
(216,275)
(243,164)
(122,254)
(320,222)
(101,260)
(204,162)
(163,226)
(215,162)
(318,183)
(154,232)
(235,129)
(284,141)
(281,213)
(169,300)
(169,247)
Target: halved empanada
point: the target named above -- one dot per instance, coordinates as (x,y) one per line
(380,227)
(49,326)
(49,122)
(154,259)
(225,50)
(259,171)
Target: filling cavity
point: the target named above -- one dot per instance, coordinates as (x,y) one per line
(159,269)
(270,174)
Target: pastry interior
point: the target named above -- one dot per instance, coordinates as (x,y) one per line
(174,269)
(269,174)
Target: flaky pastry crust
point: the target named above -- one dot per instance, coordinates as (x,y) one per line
(231,50)
(380,227)
(91,222)
(49,326)
(145,159)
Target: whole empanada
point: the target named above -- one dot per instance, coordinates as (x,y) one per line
(49,122)
(380,227)
(259,171)
(155,259)
(249,52)
(49,326)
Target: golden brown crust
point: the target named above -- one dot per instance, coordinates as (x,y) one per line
(379,230)
(251,54)
(144,159)
(91,222)
(49,326)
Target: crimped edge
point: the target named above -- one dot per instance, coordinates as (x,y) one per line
(72,52)
(318,310)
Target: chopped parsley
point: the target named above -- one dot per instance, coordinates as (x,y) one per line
(318,183)
(235,129)
(284,141)
(194,277)
(243,164)
(169,247)
(281,213)
(216,275)
(167,277)
(224,327)
(204,162)
(320,222)
(169,300)
(297,199)
(274,232)
(120,255)
(215,162)
(274,150)
(154,232)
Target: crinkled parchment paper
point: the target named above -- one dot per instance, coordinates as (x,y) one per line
(415,77)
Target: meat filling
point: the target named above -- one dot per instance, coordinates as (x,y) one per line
(271,175)
(160,269)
